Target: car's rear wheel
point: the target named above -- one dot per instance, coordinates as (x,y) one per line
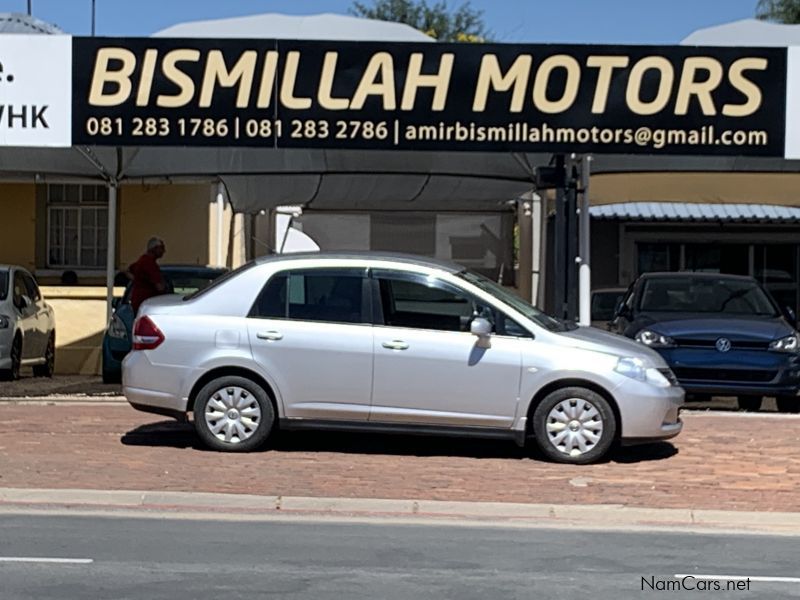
(788,404)
(49,366)
(750,403)
(12,373)
(233,414)
(574,425)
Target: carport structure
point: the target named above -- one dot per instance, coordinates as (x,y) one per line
(428,176)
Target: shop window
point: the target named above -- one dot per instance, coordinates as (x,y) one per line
(77,217)
(654,257)
(731,259)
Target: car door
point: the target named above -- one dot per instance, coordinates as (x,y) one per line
(428,368)
(310,332)
(26,311)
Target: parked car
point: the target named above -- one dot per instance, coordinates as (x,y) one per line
(604,304)
(27,326)
(391,343)
(181,280)
(722,335)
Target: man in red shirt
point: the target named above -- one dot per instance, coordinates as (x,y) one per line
(146,274)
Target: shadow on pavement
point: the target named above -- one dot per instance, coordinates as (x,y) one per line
(171,434)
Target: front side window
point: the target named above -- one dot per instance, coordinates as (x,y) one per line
(420,302)
(19,289)
(330,295)
(31,289)
(77,218)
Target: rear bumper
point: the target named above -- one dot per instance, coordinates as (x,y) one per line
(152,388)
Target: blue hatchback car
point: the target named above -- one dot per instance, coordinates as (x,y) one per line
(722,335)
(179,279)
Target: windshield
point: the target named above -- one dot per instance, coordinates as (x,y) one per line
(515,302)
(705,295)
(3,284)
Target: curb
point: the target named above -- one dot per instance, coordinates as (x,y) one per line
(64,399)
(499,514)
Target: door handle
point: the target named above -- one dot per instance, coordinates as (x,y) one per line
(395,345)
(272,336)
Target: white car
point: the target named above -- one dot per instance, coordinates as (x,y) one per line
(391,343)
(27,325)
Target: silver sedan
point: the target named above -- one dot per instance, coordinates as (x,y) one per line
(391,343)
(27,325)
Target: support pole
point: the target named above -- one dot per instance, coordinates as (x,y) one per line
(585,278)
(111,251)
(220,261)
(525,229)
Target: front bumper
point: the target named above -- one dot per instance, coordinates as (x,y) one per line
(735,373)
(648,413)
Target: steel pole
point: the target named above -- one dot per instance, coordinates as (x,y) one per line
(112,245)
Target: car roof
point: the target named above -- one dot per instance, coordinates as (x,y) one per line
(200,269)
(371,255)
(694,275)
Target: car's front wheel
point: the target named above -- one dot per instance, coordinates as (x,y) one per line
(788,404)
(12,374)
(233,414)
(750,403)
(574,425)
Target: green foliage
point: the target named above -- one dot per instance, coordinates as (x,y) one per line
(464,24)
(781,11)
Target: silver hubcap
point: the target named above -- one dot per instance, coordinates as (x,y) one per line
(233,414)
(574,426)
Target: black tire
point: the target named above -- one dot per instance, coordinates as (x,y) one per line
(49,366)
(788,404)
(12,374)
(596,449)
(750,403)
(255,393)
(111,376)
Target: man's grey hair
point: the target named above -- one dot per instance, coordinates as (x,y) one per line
(153,242)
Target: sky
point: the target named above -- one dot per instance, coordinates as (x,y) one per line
(569,21)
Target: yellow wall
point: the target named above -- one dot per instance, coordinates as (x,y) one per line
(17,224)
(176,213)
(746,188)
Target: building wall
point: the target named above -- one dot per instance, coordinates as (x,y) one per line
(756,188)
(177,213)
(18,224)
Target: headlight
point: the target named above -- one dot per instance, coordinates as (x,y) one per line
(4,322)
(635,368)
(790,343)
(652,339)
(117,329)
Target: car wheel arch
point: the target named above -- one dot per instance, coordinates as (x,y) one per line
(559,384)
(219,372)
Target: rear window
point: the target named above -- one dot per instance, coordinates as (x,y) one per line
(220,280)
(3,285)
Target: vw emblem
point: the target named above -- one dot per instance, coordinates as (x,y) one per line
(723,344)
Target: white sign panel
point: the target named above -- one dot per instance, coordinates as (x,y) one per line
(35,90)
(793,103)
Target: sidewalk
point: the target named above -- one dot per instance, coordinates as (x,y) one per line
(720,462)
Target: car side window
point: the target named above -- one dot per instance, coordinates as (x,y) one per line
(329,295)
(19,289)
(426,303)
(32,290)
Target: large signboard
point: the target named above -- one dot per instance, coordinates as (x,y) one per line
(621,99)
(64,91)
(35,90)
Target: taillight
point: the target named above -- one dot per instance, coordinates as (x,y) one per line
(146,336)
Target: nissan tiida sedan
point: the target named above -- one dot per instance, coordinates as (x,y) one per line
(391,343)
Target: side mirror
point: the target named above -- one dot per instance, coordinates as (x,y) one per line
(115,302)
(791,316)
(480,327)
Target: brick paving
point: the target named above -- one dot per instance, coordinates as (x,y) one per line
(727,462)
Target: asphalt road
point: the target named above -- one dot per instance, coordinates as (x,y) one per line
(187,559)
